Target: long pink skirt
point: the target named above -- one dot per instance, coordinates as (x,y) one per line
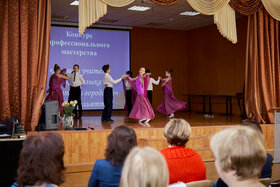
(142,109)
(170,105)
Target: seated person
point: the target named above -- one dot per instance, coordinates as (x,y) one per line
(267,168)
(240,156)
(107,172)
(184,164)
(41,161)
(144,167)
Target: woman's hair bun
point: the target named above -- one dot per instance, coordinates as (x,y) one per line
(170,71)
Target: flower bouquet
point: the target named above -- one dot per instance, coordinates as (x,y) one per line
(68,113)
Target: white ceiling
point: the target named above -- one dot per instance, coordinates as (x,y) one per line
(164,17)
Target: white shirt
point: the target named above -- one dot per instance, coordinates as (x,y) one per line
(109,81)
(77,80)
(152,81)
(127,85)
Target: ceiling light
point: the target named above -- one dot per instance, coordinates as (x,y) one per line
(139,8)
(75,3)
(188,13)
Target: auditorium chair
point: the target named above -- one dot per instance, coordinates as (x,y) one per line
(203,183)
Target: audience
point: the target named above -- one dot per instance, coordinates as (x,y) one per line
(184,164)
(267,168)
(41,161)
(240,156)
(144,167)
(107,172)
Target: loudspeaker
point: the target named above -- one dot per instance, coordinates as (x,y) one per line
(49,117)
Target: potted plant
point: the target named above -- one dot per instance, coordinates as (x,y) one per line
(68,113)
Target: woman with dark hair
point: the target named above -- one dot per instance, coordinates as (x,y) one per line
(41,161)
(56,80)
(170,104)
(107,172)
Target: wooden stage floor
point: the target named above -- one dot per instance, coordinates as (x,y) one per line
(93,118)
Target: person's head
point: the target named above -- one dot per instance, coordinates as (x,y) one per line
(142,71)
(41,160)
(106,68)
(120,142)
(253,124)
(168,73)
(144,167)
(76,68)
(239,152)
(147,71)
(177,132)
(56,68)
(129,73)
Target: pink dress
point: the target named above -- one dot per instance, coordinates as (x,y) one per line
(170,103)
(55,92)
(142,108)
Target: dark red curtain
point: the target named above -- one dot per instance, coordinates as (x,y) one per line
(262,81)
(24,51)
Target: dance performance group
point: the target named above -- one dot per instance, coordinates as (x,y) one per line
(138,93)
(58,79)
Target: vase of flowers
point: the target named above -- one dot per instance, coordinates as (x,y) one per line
(68,114)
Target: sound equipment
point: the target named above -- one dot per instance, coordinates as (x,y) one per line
(49,119)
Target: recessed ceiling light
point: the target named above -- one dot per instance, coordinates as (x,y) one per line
(139,8)
(189,13)
(75,3)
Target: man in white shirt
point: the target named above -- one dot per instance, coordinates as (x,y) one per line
(76,80)
(108,82)
(150,86)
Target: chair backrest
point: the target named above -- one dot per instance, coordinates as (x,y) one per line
(265,181)
(203,183)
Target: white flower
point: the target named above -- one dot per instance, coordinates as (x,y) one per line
(64,103)
(72,103)
(75,101)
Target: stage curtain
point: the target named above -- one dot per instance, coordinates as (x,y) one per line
(25,30)
(262,79)
(119,3)
(246,7)
(90,11)
(208,7)
(226,23)
(273,7)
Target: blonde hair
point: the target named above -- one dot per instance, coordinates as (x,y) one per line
(144,167)
(177,132)
(240,149)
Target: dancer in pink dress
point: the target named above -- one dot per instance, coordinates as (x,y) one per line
(142,109)
(56,80)
(170,104)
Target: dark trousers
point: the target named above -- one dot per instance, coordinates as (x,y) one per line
(150,96)
(75,94)
(128,100)
(108,103)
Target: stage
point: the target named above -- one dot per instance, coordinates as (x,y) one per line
(82,148)
(93,118)
(85,146)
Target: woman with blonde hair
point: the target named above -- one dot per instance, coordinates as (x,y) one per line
(184,164)
(240,156)
(144,167)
